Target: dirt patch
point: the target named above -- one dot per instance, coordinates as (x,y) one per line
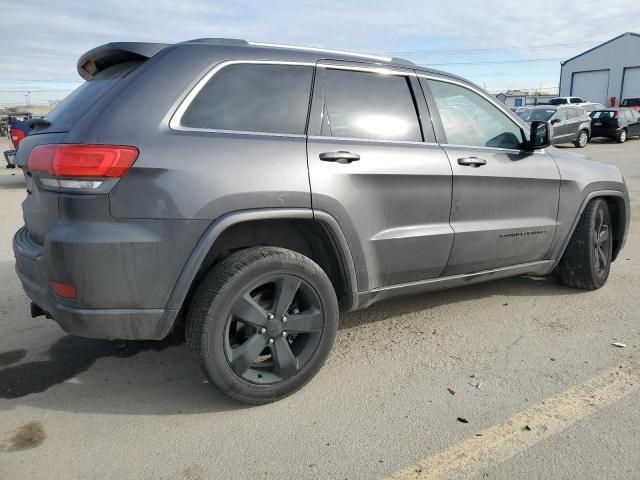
(25,437)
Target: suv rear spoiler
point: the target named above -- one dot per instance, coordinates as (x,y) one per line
(104,56)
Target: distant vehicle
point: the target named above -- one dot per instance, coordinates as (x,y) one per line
(571,124)
(631,103)
(565,100)
(18,129)
(592,107)
(615,123)
(519,110)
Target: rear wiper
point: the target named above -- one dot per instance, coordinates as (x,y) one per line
(38,122)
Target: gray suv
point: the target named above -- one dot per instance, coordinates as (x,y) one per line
(250,192)
(571,124)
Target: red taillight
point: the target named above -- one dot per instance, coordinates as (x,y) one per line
(96,161)
(618,114)
(16,137)
(64,290)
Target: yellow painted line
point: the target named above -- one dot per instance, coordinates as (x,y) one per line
(501,442)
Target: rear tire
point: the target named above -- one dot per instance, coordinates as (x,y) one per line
(587,259)
(622,136)
(582,140)
(262,323)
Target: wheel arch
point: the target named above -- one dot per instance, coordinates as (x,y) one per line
(618,206)
(295,229)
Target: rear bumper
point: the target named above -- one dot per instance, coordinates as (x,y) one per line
(36,267)
(605,132)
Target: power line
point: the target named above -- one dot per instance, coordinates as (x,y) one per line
(492,49)
(528,60)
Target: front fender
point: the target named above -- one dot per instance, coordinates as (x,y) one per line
(582,180)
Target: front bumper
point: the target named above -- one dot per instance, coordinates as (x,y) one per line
(34,270)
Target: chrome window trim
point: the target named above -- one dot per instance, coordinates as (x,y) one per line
(509,150)
(384,70)
(175,123)
(370,140)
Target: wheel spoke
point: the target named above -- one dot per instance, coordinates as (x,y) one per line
(599,220)
(285,364)
(603,258)
(305,322)
(286,288)
(604,234)
(249,311)
(242,357)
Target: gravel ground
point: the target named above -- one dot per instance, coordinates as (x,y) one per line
(81,408)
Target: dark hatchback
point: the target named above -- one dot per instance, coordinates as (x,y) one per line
(615,123)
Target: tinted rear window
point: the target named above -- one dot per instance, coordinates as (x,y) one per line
(253,98)
(76,104)
(631,102)
(603,114)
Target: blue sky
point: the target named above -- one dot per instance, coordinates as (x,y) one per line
(498,44)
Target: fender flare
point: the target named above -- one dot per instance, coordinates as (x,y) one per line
(203,246)
(598,193)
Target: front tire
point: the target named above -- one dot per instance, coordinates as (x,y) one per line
(622,136)
(587,260)
(582,140)
(262,323)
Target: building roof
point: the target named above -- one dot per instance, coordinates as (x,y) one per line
(600,45)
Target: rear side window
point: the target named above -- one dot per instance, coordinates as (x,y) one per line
(78,103)
(576,100)
(369,105)
(253,98)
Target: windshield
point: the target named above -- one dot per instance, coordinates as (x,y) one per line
(537,114)
(558,101)
(631,102)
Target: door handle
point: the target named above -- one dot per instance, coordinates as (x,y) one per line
(472,161)
(340,157)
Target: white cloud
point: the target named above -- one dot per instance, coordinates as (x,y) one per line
(45,38)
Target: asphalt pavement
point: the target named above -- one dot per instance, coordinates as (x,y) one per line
(518,378)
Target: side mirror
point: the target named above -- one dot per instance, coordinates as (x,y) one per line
(540,135)
(554,121)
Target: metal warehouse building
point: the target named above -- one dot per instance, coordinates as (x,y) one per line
(612,69)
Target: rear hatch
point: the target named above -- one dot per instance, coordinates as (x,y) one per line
(106,70)
(605,119)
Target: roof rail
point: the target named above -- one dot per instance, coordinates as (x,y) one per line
(220,41)
(326,50)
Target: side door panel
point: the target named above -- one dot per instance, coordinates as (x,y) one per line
(561,129)
(393,203)
(504,212)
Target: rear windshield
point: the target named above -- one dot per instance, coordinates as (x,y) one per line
(537,114)
(558,101)
(631,102)
(76,104)
(603,114)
